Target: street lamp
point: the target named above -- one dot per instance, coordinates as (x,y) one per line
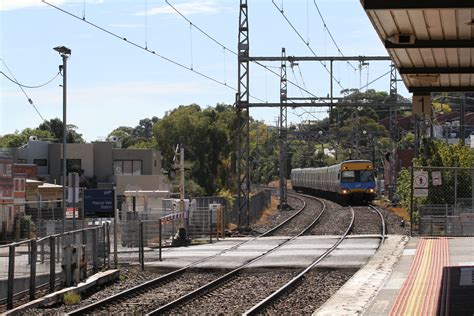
(65,53)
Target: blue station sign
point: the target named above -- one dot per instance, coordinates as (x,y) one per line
(99,203)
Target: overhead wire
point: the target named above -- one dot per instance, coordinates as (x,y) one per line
(330,34)
(30,101)
(27,86)
(230,50)
(307,44)
(174,62)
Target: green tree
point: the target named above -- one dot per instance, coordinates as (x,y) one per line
(55,126)
(208,141)
(18,139)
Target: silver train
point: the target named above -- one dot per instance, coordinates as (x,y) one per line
(351,181)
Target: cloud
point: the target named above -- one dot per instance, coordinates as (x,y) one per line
(10,5)
(188,8)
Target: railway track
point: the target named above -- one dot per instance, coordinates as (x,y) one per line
(146,289)
(299,281)
(160,291)
(213,302)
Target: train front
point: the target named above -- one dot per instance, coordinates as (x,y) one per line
(357,182)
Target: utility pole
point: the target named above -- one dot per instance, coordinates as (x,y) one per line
(65,53)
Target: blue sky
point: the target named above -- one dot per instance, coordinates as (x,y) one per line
(112,83)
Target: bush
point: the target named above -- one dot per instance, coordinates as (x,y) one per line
(71,298)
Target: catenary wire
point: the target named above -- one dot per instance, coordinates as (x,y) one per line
(230,50)
(330,34)
(307,44)
(27,86)
(147,50)
(30,101)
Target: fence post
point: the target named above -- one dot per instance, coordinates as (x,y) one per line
(33,257)
(115,237)
(210,225)
(94,250)
(107,229)
(141,247)
(160,230)
(52,264)
(11,275)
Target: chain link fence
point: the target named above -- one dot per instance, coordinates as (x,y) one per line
(442,200)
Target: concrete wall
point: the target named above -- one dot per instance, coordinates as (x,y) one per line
(35,150)
(84,152)
(103,161)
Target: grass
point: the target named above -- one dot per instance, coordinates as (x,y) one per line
(269,211)
(403,213)
(71,298)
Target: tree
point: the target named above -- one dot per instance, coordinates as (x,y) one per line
(207,136)
(55,126)
(19,139)
(439,154)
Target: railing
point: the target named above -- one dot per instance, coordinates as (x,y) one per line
(38,264)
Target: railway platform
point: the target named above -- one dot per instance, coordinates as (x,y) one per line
(419,276)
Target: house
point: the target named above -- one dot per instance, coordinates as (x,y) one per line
(99,164)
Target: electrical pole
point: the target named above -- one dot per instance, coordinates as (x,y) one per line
(283,131)
(242,107)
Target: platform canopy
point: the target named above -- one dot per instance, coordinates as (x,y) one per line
(430,41)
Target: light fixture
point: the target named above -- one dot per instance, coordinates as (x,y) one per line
(425,78)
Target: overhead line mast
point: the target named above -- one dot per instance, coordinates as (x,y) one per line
(242,107)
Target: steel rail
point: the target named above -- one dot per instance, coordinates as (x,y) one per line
(228,276)
(258,308)
(382,223)
(136,290)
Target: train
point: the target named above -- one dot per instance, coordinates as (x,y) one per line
(351,181)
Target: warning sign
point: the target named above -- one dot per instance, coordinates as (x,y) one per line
(421,180)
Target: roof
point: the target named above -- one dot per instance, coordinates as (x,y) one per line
(429,41)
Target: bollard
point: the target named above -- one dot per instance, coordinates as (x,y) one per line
(11,276)
(52,264)
(34,253)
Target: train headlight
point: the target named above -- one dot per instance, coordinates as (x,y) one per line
(345,191)
(371,190)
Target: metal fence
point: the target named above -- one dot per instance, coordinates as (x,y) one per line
(40,265)
(442,200)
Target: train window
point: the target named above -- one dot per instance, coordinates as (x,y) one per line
(357,176)
(366,176)
(348,176)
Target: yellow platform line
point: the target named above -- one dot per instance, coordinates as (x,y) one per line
(419,294)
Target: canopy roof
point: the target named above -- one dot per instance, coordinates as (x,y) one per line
(430,41)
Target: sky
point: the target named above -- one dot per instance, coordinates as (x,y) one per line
(112,83)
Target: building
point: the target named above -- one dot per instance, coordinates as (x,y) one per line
(6,194)
(99,164)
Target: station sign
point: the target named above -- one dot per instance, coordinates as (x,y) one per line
(99,203)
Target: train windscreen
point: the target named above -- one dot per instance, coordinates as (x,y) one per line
(357,176)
